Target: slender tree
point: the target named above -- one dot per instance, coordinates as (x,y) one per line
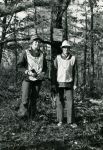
(3,33)
(85,49)
(92,4)
(16,47)
(65,28)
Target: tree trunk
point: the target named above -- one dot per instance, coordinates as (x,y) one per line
(16,53)
(85,51)
(65,27)
(3,34)
(55,23)
(92,53)
(85,56)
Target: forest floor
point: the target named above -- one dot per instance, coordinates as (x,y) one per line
(42,133)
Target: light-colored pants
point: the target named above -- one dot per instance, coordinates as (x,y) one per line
(65,93)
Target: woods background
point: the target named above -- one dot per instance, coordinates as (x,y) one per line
(79,21)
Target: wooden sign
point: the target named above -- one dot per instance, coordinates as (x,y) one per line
(57,34)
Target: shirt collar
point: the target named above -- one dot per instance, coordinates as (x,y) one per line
(66,58)
(34,55)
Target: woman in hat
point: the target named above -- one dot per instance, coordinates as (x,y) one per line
(65,64)
(34,66)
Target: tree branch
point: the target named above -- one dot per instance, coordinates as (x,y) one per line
(4,11)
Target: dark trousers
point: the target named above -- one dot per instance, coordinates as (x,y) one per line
(65,94)
(30,92)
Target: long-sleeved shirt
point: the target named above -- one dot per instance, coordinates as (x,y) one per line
(23,63)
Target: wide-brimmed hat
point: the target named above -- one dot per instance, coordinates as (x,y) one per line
(35,38)
(65,43)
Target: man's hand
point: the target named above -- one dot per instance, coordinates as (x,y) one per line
(26,71)
(74,87)
(31,73)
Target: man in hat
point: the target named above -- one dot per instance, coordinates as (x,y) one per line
(65,65)
(34,66)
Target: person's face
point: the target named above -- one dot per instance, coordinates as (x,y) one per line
(66,50)
(35,45)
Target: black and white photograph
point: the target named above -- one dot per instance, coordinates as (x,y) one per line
(51,75)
